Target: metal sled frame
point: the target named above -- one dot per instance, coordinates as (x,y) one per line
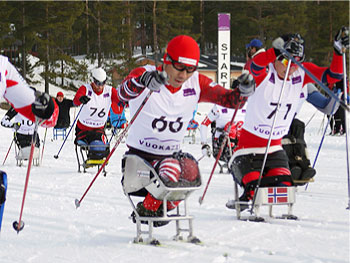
(139,174)
(263,198)
(223,164)
(59,132)
(191,135)
(20,158)
(84,162)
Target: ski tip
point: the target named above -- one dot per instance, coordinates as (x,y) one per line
(77,203)
(55,156)
(18,227)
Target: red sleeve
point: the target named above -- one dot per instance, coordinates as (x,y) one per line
(214,93)
(259,64)
(329,75)
(117,104)
(131,87)
(81,92)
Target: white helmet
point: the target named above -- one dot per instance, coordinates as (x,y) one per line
(99,74)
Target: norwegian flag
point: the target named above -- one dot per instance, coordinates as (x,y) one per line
(277,195)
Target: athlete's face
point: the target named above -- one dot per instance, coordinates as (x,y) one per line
(97,88)
(176,77)
(281,69)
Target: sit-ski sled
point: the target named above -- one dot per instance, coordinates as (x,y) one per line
(270,197)
(90,155)
(139,174)
(22,154)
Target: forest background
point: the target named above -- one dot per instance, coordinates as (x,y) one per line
(109,32)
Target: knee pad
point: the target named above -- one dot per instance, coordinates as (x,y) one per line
(189,167)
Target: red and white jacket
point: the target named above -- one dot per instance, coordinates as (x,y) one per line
(94,114)
(18,93)
(161,125)
(262,104)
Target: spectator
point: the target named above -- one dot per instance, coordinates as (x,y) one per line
(64,105)
(252,49)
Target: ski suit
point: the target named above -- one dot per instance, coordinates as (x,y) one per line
(261,107)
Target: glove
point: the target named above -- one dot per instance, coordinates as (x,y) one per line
(84,99)
(43,106)
(246,84)
(16,126)
(293,43)
(206,151)
(154,79)
(341,41)
(278,43)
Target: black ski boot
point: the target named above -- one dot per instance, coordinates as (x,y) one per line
(231,204)
(142,211)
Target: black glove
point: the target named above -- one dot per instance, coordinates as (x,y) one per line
(206,151)
(341,40)
(246,84)
(293,43)
(16,126)
(154,79)
(84,99)
(43,105)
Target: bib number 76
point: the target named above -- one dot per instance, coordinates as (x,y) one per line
(100,114)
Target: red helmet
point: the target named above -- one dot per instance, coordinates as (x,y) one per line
(183,49)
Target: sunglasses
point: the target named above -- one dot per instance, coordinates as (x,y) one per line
(285,61)
(99,83)
(181,66)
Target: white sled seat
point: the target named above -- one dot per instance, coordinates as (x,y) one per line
(273,196)
(139,174)
(23,155)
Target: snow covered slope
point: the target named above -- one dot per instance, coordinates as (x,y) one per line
(100,231)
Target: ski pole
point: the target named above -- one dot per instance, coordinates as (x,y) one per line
(270,136)
(325,89)
(42,151)
(78,202)
(65,139)
(322,139)
(346,124)
(8,151)
(313,115)
(18,225)
(219,154)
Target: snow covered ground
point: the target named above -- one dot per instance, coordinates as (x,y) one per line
(100,230)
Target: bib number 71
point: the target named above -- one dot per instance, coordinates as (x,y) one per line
(288,105)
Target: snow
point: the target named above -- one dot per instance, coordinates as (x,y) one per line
(100,230)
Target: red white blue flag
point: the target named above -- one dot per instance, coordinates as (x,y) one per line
(277,195)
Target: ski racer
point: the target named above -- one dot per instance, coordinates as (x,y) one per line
(158,131)
(25,100)
(23,128)
(221,116)
(96,98)
(269,69)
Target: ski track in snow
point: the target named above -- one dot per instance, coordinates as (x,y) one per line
(100,230)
